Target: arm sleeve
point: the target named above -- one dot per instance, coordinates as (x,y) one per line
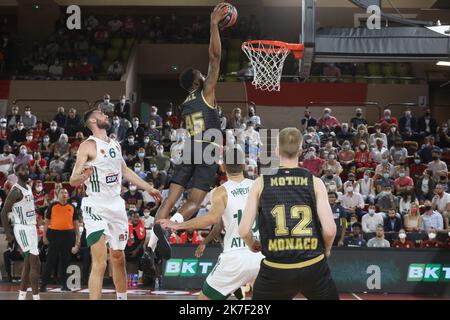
(76,214)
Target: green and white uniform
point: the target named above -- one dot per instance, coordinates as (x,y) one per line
(104,209)
(237,265)
(23,216)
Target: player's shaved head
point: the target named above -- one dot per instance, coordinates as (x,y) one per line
(290,141)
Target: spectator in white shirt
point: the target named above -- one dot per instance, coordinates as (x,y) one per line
(441,201)
(106,106)
(7,160)
(378,135)
(398,151)
(56,70)
(115,71)
(254,118)
(431,218)
(91,23)
(366,187)
(385,165)
(353,202)
(115,25)
(371,220)
(379,151)
(253,141)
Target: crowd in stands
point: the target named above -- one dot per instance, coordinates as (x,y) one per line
(386,181)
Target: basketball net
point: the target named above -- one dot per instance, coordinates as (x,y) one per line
(267,60)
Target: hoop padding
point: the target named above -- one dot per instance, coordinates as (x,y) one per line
(267,60)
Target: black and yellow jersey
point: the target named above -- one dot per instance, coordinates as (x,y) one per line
(289,226)
(198,116)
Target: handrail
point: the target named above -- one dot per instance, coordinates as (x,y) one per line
(14,102)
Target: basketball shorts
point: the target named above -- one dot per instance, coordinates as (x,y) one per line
(233,270)
(26,237)
(105,217)
(285,281)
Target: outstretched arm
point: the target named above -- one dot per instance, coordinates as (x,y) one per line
(215,49)
(13,196)
(132,177)
(218,204)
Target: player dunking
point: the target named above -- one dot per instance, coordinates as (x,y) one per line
(100,167)
(296,228)
(199,114)
(237,265)
(20,203)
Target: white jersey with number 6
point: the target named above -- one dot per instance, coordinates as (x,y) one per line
(23,211)
(237,193)
(105,181)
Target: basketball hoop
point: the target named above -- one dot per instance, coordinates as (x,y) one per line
(267,59)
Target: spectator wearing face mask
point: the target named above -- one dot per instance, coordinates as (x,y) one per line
(236,119)
(122,108)
(136,240)
(437,166)
(13,118)
(355,239)
(407,199)
(148,222)
(30,143)
(133,198)
(115,71)
(393,222)
(223,119)
(412,220)
(106,106)
(443,137)
(403,183)
(398,151)
(56,70)
(252,117)
(427,124)
(138,169)
(441,201)
(130,145)
(327,122)
(18,135)
(157,178)
(40,197)
(308,143)
(251,171)
(385,199)
(380,153)
(118,129)
(154,116)
(54,132)
(346,155)
(29,120)
(371,220)
(142,160)
(417,168)
(313,163)
(385,166)
(358,120)
(387,120)
(351,182)
(378,241)
(393,135)
(407,125)
(136,130)
(361,135)
(153,133)
(402,242)
(7,160)
(38,132)
(431,218)
(425,186)
(366,187)
(344,134)
(314,136)
(363,158)
(161,161)
(23,157)
(329,176)
(431,242)
(38,167)
(353,202)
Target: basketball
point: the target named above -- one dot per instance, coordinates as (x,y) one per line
(230,18)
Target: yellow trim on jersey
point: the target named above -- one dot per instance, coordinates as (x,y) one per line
(206,102)
(299,265)
(262,186)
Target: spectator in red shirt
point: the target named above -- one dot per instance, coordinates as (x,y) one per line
(363,158)
(4,131)
(402,242)
(85,71)
(38,167)
(417,168)
(431,242)
(101,37)
(194,237)
(70,72)
(313,163)
(79,137)
(173,120)
(387,120)
(327,122)
(403,182)
(31,144)
(38,132)
(178,239)
(40,197)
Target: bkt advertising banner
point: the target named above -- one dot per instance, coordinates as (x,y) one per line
(353,269)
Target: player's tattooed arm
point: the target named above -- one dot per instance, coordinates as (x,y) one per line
(249,215)
(215,49)
(13,196)
(82,170)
